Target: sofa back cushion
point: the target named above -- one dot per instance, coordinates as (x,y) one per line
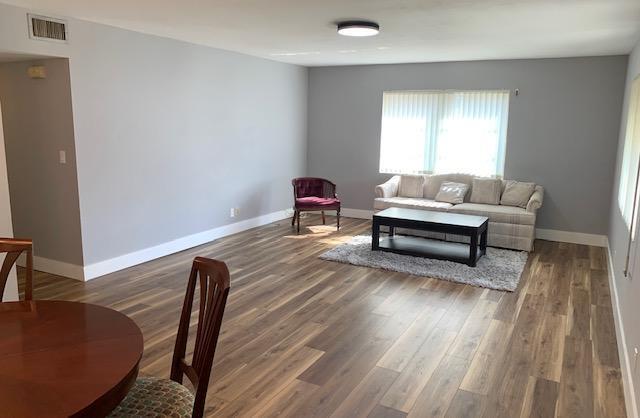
(517,193)
(486,190)
(410,186)
(433,182)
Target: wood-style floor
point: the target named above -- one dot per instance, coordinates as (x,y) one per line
(303,337)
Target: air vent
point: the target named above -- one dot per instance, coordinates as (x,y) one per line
(47,28)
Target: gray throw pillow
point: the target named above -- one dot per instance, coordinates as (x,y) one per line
(486,191)
(517,193)
(452,192)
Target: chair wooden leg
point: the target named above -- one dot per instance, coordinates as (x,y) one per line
(298,222)
(293,220)
(323,220)
(338,218)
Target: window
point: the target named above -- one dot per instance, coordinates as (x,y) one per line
(444,132)
(631,153)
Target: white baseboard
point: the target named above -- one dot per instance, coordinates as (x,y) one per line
(623,352)
(356,213)
(58,268)
(131,259)
(572,237)
(546,234)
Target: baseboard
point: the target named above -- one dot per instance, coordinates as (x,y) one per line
(101,268)
(623,352)
(356,213)
(58,268)
(572,237)
(546,234)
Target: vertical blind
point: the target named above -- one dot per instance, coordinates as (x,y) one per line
(631,153)
(444,132)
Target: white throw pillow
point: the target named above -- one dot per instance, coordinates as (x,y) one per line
(517,193)
(410,186)
(452,192)
(486,191)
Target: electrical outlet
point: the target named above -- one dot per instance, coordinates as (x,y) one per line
(62,157)
(233,212)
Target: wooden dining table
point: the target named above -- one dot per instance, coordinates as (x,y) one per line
(61,358)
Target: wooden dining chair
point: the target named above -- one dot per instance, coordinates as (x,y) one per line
(13,247)
(168,397)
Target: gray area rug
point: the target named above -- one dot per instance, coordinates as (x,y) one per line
(499,269)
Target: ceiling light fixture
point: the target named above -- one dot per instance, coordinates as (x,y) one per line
(358,28)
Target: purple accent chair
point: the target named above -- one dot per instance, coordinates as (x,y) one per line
(312,194)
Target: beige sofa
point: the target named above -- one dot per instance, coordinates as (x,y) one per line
(509,226)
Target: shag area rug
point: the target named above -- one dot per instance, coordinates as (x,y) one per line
(499,269)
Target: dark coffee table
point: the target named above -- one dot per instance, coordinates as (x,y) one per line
(474,227)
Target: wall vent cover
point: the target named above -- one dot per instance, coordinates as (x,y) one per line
(47,28)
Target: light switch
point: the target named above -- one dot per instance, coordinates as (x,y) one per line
(63,157)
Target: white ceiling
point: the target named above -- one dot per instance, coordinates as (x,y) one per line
(303,31)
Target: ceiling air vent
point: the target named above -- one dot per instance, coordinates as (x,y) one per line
(47,28)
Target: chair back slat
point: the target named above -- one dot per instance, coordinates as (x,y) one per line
(13,248)
(212,277)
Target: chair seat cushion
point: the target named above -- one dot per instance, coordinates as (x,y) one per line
(316,202)
(153,397)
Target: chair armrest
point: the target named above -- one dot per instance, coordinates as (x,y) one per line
(389,188)
(535,201)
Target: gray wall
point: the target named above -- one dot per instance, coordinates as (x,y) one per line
(169,135)
(38,123)
(628,290)
(562,127)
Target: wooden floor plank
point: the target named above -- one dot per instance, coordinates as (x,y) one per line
(305,337)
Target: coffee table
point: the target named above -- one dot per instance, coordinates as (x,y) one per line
(474,227)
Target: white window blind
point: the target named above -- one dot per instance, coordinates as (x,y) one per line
(444,132)
(631,153)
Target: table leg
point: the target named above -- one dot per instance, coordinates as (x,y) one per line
(483,242)
(473,250)
(375,236)
(392,231)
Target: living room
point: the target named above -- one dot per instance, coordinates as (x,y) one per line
(490,150)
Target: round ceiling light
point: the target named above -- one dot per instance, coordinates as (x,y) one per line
(358,28)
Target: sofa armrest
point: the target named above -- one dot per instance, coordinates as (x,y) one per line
(535,201)
(389,188)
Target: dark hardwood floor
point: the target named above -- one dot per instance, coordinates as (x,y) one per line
(303,337)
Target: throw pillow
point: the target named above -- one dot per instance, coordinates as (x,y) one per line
(517,193)
(410,186)
(486,191)
(452,192)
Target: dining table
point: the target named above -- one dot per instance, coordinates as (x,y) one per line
(65,359)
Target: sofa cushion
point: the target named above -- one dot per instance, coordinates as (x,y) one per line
(451,192)
(433,182)
(410,186)
(517,193)
(496,213)
(486,191)
(410,203)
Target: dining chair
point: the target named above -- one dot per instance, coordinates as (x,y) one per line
(151,396)
(13,247)
(314,194)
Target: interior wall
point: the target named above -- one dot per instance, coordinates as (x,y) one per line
(561,134)
(6,228)
(169,135)
(627,289)
(38,123)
